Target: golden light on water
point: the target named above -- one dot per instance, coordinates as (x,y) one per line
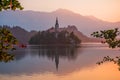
(107,71)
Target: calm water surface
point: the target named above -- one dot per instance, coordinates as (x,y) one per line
(61,63)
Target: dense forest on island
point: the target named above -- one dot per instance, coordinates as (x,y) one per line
(46,37)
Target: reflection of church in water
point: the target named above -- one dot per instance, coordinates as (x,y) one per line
(56,58)
(57,52)
(56,34)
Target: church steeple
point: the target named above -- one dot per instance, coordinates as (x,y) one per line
(56,27)
(56,24)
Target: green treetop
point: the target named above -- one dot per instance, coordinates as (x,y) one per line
(110,37)
(7,40)
(10,4)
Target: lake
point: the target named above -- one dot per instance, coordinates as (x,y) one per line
(61,63)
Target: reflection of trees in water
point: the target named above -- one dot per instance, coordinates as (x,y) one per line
(19,54)
(55,52)
(51,51)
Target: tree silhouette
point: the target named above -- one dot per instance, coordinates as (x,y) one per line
(10,4)
(46,37)
(7,40)
(110,37)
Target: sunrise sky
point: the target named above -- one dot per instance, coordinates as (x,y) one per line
(108,10)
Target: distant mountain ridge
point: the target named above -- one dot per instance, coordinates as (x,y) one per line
(32,20)
(23,36)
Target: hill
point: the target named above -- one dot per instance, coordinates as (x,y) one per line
(32,20)
(21,34)
(24,36)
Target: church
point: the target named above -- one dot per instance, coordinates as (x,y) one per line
(56,35)
(56,25)
(57,28)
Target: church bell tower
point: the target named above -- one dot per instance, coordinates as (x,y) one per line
(56,27)
(56,24)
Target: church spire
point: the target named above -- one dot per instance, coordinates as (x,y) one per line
(56,24)
(56,27)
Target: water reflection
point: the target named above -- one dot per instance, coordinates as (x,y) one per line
(68,63)
(54,52)
(39,59)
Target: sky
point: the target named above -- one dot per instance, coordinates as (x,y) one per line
(107,10)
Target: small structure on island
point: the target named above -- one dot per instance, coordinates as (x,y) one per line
(56,27)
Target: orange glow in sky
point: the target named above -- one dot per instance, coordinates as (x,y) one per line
(108,10)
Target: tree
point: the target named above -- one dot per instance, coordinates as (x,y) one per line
(10,4)
(7,40)
(110,37)
(46,37)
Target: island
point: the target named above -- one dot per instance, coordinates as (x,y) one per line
(54,35)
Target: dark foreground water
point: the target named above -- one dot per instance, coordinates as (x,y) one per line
(61,63)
